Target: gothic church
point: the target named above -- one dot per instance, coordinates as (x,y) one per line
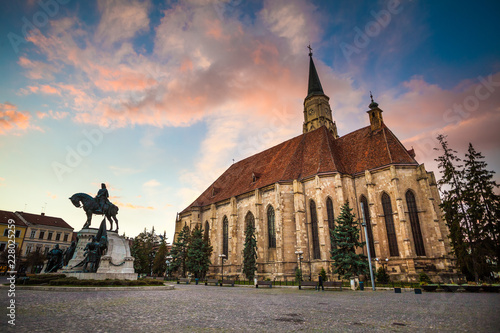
(293,192)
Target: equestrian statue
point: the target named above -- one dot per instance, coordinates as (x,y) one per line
(100,205)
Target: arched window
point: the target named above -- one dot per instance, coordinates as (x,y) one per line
(389,225)
(271,230)
(207,230)
(415,224)
(331,221)
(225,236)
(249,219)
(314,227)
(368,225)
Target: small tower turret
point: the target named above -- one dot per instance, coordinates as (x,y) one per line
(375,114)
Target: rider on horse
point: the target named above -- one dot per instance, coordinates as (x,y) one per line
(102,198)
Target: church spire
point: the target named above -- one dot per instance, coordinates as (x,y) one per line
(314,86)
(317,111)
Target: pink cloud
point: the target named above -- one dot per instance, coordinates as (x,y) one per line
(132,206)
(47,89)
(121,19)
(199,75)
(37,70)
(214,30)
(52,114)
(469,112)
(12,120)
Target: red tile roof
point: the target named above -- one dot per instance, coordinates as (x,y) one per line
(45,220)
(5,216)
(307,155)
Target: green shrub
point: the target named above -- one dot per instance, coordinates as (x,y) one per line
(323,274)
(422,277)
(64,281)
(298,275)
(119,283)
(155,283)
(382,276)
(73,281)
(40,279)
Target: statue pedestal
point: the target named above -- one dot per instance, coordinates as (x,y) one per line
(116,263)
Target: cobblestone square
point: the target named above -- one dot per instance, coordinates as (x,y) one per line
(199,308)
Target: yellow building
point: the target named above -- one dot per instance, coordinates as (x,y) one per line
(19,231)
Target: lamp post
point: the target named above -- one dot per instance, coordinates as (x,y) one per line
(367,246)
(384,264)
(299,253)
(167,273)
(222,257)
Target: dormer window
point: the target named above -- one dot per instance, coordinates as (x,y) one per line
(214,191)
(255,176)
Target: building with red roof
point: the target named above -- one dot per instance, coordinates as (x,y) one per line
(293,192)
(42,235)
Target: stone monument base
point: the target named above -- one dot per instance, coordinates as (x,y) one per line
(116,263)
(102,276)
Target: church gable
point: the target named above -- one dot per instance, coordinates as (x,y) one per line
(366,150)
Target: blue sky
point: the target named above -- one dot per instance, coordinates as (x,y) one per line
(156,98)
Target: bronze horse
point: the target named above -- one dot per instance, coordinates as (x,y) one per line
(90,206)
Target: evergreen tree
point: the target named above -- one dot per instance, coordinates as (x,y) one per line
(159,263)
(298,275)
(483,208)
(207,246)
(382,276)
(179,251)
(250,252)
(198,254)
(144,251)
(140,260)
(346,262)
(464,231)
(34,259)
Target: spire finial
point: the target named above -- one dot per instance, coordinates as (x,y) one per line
(310,50)
(373,104)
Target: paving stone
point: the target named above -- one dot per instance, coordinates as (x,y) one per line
(192,308)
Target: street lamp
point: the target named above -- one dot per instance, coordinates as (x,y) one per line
(299,253)
(367,246)
(223,257)
(167,273)
(383,263)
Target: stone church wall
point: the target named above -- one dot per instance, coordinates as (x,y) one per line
(292,207)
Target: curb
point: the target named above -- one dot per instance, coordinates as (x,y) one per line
(69,289)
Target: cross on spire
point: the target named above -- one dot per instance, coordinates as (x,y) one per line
(310,50)
(373,104)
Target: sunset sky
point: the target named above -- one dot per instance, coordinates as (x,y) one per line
(157,98)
